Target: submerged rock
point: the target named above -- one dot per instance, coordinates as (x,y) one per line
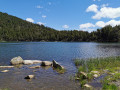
(46,63)
(57,65)
(29,77)
(5,71)
(16,60)
(6,66)
(46,67)
(33,67)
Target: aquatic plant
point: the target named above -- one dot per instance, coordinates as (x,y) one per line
(97,66)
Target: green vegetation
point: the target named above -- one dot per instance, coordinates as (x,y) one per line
(94,67)
(107,85)
(5,89)
(16,29)
(60,70)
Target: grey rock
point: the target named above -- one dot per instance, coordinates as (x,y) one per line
(46,63)
(57,65)
(36,61)
(16,60)
(27,62)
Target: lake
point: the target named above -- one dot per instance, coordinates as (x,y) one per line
(47,78)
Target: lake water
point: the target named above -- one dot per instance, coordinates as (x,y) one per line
(47,78)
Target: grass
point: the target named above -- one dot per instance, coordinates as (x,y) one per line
(92,66)
(98,63)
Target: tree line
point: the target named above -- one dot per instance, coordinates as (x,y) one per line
(16,29)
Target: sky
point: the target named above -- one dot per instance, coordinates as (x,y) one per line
(86,15)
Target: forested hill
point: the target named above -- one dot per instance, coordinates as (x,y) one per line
(16,29)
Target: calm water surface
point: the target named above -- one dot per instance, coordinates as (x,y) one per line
(47,78)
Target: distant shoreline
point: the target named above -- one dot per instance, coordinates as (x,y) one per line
(58,41)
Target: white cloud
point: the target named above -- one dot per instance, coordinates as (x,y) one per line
(86,25)
(88,29)
(104,5)
(65,26)
(92,8)
(39,6)
(29,20)
(40,23)
(44,16)
(104,12)
(107,12)
(111,22)
(100,24)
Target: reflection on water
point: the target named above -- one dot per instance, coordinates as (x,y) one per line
(46,77)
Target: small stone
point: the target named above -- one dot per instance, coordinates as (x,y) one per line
(29,77)
(87,85)
(34,67)
(77,78)
(95,75)
(106,70)
(95,72)
(5,71)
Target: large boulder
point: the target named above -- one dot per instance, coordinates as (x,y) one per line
(46,63)
(57,65)
(27,62)
(16,60)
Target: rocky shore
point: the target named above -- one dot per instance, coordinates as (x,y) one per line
(18,61)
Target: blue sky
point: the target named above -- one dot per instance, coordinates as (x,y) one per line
(87,15)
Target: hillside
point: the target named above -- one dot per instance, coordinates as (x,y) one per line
(16,29)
